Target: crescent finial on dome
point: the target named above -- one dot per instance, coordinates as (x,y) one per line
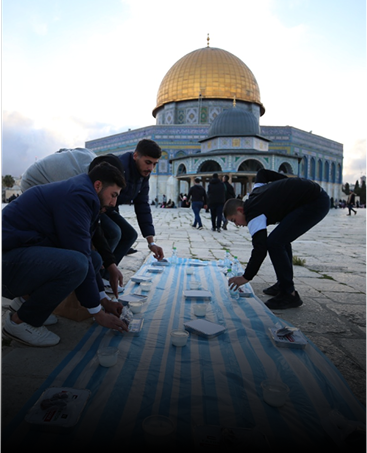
(208,39)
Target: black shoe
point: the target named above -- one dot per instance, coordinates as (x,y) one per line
(131,251)
(283,301)
(272,290)
(218,229)
(213,229)
(194,226)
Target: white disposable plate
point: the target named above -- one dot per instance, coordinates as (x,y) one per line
(155,269)
(197,293)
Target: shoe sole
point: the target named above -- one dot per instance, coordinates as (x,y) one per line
(13,337)
(283,307)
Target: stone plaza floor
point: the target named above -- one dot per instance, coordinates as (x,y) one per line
(331,283)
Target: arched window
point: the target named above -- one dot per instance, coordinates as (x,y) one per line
(209,166)
(181,170)
(319,170)
(285,168)
(326,171)
(313,169)
(304,167)
(333,172)
(250,165)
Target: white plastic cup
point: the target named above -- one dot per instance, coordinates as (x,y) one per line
(194,284)
(275,393)
(179,337)
(200,309)
(189,270)
(146,286)
(135,307)
(107,356)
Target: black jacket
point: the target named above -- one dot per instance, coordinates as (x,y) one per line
(216,192)
(197,193)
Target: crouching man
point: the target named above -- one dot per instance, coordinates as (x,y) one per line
(47,253)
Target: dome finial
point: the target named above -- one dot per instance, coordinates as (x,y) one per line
(234,101)
(208,39)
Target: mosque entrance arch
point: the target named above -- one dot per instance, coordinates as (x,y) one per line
(209,166)
(251,165)
(286,168)
(181,170)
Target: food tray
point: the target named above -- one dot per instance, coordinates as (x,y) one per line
(294,340)
(139,279)
(164,262)
(197,294)
(155,269)
(204,328)
(62,413)
(132,298)
(135,326)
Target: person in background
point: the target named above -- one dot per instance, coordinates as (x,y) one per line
(198,198)
(47,253)
(216,200)
(229,189)
(297,205)
(351,202)
(138,166)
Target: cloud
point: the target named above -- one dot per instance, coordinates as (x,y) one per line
(23,142)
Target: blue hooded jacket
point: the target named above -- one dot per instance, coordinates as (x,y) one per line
(136,192)
(60,214)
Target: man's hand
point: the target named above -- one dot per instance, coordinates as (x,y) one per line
(235,282)
(110,306)
(116,278)
(110,321)
(158,252)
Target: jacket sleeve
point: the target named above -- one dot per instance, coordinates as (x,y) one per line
(101,245)
(264,176)
(258,254)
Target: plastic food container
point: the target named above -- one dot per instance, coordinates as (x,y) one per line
(275,393)
(194,284)
(146,286)
(136,307)
(107,356)
(190,270)
(179,337)
(200,309)
(158,430)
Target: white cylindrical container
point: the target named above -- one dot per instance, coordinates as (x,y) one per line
(107,356)
(179,337)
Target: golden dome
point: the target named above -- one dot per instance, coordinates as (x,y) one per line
(212,73)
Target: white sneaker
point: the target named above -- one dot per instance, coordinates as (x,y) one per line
(17,303)
(29,335)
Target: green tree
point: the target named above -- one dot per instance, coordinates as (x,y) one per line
(8,181)
(346,188)
(362,193)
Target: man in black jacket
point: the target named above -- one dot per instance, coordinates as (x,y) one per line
(229,189)
(216,200)
(297,205)
(198,198)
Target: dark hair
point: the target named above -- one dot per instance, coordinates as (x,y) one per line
(111,159)
(197,180)
(215,175)
(149,148)
(107,174)
(226,177)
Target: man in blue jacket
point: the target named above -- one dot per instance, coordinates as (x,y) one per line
(46,241)
(138,166)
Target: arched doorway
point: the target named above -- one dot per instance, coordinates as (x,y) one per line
(286,168)
(209,166)
(250,165)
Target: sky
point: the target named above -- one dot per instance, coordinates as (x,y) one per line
(76,70)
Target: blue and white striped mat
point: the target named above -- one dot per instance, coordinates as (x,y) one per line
(209,382)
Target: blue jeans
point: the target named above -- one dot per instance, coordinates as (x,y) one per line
(47,274)
(289,229)
(196,206)
(216,212)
